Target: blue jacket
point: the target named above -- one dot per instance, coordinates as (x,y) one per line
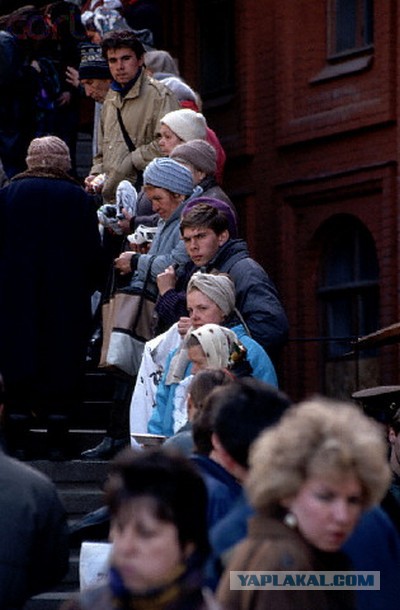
(375,546)
(161,421)
(222,488)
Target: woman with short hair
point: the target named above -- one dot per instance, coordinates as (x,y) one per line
(157,504)
(311,477)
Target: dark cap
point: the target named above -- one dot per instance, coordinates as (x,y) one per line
(93,64)
(222,206)
(379,402)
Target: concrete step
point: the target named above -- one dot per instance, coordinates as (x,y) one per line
(48,601)
(79,482)
(78,440)
(78,471)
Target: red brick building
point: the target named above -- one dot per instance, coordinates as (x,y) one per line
(304,96)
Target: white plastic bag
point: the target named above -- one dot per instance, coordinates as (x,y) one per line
(93,563)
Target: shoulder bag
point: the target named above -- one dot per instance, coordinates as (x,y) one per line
(129,320)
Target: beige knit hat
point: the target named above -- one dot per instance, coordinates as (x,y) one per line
(199,153)
(186,124)
(48,152)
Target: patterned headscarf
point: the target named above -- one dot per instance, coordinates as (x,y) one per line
(217,343)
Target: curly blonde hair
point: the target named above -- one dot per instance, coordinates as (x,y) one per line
(318,437)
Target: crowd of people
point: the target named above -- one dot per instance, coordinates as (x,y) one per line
(243,480)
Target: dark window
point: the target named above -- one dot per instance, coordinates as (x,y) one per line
(217,58)
(349,285)
(350,25)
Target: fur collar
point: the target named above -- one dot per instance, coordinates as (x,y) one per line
(45,172)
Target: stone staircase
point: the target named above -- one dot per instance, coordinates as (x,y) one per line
(79,482)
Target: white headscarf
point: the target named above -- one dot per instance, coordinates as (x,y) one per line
(216,342)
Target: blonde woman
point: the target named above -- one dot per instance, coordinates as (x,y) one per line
(311,478)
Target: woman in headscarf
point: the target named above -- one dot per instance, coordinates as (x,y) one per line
(210,300)
(50,263)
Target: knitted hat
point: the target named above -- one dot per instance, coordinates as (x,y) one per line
(219,205)
(186,124)
(181,89)
(198,153)
(48,151)
(160,61)
(217,287)
(93,64)
(170,175)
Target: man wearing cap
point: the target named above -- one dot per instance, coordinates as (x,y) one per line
(94,73)
(95,77)
(130,117)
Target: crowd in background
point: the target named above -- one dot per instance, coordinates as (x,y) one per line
(243,480)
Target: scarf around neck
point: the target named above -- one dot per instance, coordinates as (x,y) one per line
(184,586)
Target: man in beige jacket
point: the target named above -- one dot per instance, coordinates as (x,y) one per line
(130,117)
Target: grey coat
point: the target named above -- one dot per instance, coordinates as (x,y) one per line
(33,532)
(166,249)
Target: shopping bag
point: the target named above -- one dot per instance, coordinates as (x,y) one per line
(94,560)
(129,320)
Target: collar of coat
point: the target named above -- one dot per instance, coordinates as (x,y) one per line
(124,89)
(45,172)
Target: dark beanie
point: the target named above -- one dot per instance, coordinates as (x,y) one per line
(93,64)
(219,205)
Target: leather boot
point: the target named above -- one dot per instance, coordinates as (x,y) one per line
(106,450)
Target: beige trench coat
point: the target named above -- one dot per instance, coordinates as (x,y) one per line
(141,109)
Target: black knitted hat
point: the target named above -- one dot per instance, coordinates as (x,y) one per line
(93,64)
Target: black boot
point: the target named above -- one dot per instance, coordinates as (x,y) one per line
(106,450)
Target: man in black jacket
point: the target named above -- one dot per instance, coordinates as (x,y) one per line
(205,232)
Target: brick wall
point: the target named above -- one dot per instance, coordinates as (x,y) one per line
(307,139)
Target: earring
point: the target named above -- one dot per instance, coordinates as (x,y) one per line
(290,520)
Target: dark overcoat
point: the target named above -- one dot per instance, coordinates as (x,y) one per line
(34,546)
(50,263)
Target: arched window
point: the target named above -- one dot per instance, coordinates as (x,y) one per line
(348,283)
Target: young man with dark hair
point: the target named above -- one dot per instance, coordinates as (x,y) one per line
(240,412)
(205,230)
(130,116)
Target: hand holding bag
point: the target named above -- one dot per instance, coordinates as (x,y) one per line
(129,320)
